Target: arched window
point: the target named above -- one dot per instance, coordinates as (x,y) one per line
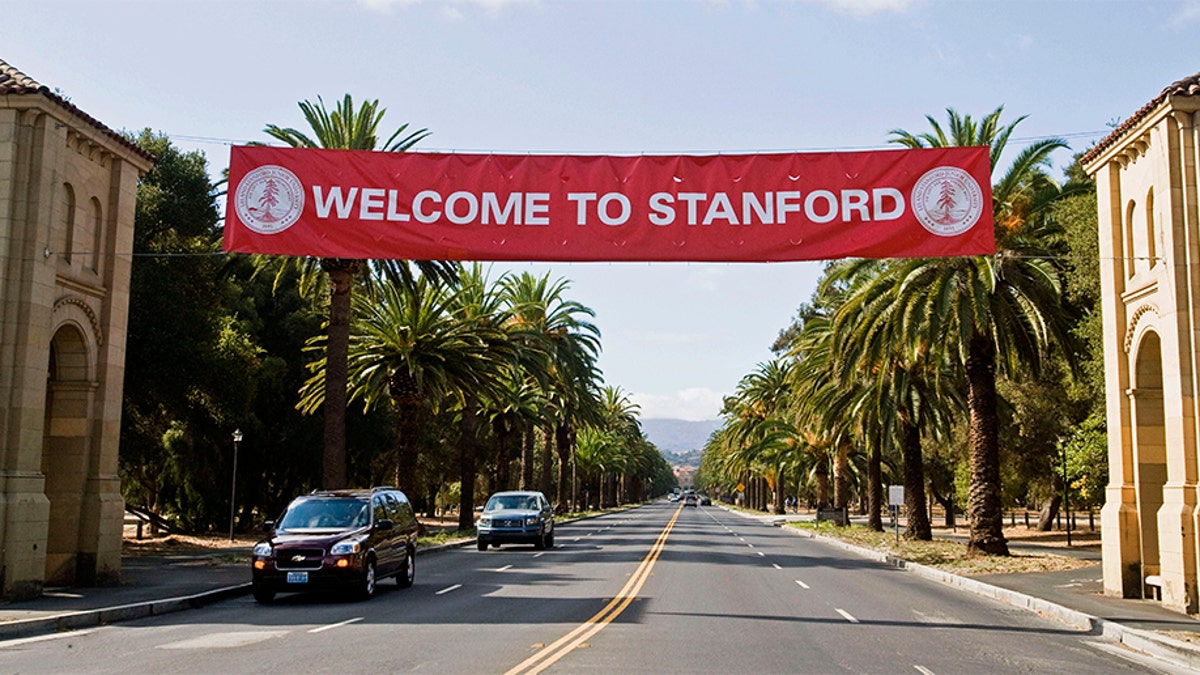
(1151,232)
(1131,251)
(60,242)
(92,241)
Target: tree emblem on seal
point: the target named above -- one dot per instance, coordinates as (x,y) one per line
(269,199)
(947,201)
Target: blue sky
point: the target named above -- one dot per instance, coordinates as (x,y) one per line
(619,77)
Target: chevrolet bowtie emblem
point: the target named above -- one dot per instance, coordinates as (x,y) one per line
(297,558)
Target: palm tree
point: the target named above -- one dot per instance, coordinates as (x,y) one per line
(560,330)
(346,128)
(410,350)
(987,312)
(479,304)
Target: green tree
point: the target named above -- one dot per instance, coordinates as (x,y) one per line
(348,128)
(989,312)
(561,330)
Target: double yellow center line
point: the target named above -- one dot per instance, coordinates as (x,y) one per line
(551,653)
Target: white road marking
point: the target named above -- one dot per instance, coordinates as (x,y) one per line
(455,587)
(937,618)
(225,640)
(750,545)
(846,614)
(4,644)
(776,566)
(802,584)
(923,670)
(504,569)
(339,624)
(761,554)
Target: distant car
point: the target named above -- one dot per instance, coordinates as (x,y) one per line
(344,540)
(705,500)
(674,496)
(690,500)
(524,517)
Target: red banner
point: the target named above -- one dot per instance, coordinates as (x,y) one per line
(765,207)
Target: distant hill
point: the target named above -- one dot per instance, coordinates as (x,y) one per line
(680,441)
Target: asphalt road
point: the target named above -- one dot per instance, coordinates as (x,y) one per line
(659,589)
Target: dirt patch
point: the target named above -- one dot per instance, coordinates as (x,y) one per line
(944,554)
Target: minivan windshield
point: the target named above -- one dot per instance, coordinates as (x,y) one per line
(340,513)
(507,502)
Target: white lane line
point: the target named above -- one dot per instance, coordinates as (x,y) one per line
(227,640)
(802,584)
(750,545)
(504,569)
(538,555)
(577,538)
(846,614)
(923,670)
(776,566)
(447,589)
(347,622)
(5,644)
(761,554)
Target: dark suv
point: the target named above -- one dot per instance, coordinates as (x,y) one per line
(516,518)
(338,540)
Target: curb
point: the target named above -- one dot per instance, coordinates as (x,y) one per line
(1173,651)
(138,610)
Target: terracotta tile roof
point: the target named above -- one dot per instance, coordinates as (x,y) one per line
(1188,86)
(14,82)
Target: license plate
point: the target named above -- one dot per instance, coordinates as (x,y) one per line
(297,577)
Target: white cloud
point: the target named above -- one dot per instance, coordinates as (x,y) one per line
(694,404)
(1189,11)
(451,8)
(865,8)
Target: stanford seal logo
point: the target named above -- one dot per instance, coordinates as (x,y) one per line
(269,199)
(947,201)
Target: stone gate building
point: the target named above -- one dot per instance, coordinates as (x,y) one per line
(67,190)
(1149,223)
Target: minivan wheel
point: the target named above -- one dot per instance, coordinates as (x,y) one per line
(540,544)
(409,574)
(482,545)
(264,596)
(367,590)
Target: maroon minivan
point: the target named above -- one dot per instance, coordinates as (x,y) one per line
(338,540)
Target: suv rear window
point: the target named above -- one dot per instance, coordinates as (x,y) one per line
(334,512)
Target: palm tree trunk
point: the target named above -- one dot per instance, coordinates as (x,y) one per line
(467,454)
(914,483)
(841,476)
(564,436)
(527,458)
(341,281)
(780,507)
(822,476)
(547,463)
(983,505)
(875,489)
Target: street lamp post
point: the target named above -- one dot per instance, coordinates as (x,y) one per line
(1066,493)
(237,438)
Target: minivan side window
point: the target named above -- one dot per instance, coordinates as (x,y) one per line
(380,509)
(393,507)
